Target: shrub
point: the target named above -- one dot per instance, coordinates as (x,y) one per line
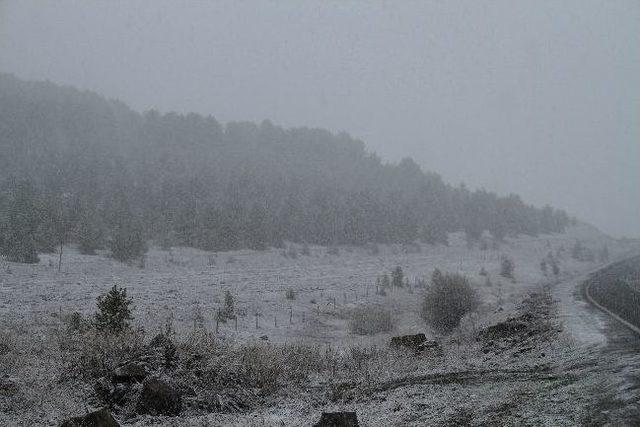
(577,251)
(385,282)
(75,322)
(582,253)
(555,268)
(113,313)
(290,294)
(421,283)
(305,250)
(370,320)
(228,311)
(447,300)
(292,252)
(506,268)
(603,255)
(127,243)
(90,236)
(397,277)
(90,354)
(373,249)
(20,224)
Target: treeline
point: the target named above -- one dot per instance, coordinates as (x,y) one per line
(77,167)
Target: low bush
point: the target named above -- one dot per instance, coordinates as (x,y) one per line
(290,294)
(449,298)
(370,320)
(507,268)
(127,243)
(305,250)
(397,277)
(93,354)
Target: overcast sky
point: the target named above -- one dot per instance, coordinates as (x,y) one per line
(537,98)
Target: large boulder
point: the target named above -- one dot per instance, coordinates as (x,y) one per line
(8,386)
(158,397)
(409,341)
(100,418)
(338,419)
(130,372)
(417,343)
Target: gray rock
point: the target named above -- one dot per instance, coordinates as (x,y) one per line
(100,418)
(130,372)
(418,343)
(338,419)
(8,386)
(158,397)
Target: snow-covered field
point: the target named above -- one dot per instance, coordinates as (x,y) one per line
(188,286)
(186,283)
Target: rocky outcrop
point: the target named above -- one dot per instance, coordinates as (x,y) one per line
(99,418)
(417,343)
(8,386)
(130,372)
(158,397)
(338,419)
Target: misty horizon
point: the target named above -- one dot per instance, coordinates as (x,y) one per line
(548,89)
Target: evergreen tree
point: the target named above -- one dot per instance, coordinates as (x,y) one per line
(127,239)
(228,312)
(507,268)
(114,313)
(397,277)
(89,235)
(23,220)
(385,282)
(603,255)
(256,232)
(192,181)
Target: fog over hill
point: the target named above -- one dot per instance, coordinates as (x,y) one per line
(78,167)
(537,98)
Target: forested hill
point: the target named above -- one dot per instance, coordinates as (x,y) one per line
(77,167)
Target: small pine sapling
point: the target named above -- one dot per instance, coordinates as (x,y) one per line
(114,313)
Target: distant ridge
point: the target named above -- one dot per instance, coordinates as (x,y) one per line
(189,180)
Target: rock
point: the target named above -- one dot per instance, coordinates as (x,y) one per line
(103,389)
(409,341)
(417,343)
(8,386)
(100,418)
(338,419)
(114,393)
(507,329)
(4,348)
(130,372)
(158,398)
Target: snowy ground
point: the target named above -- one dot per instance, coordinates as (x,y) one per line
(184,282)
(557,381)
